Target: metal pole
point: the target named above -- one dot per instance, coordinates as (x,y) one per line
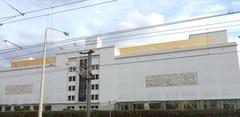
(43,70)
(89,69)
(13,44)
(110,109)
(43,75)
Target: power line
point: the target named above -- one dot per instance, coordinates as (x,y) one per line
(124,36)
(43,9)
(159,25)
(63,11)
(154,26)
(110,40)
(52,7)
(6,41)
(12,7)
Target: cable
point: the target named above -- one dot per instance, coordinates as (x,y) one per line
(116,32)
(108,40)
(56,6)
(63,11)
(113,40)
(12,7)
(75,2)
(83,38)
(159,25)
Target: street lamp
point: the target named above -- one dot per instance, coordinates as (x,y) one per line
(43,68)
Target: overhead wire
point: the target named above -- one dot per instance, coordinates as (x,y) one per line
(123,36)
(152,26)
(114,40)
(100,35)
(12,7)
(58,12)
(43,9)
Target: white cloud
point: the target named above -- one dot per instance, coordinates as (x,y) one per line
(136,19)
(123,14)
(154,18)
(193,8)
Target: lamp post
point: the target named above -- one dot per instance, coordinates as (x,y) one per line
(43,68)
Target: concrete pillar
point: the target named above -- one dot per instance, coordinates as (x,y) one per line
(146,106)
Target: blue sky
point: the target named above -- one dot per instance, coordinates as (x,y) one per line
(119,15)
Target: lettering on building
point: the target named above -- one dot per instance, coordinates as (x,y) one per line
(175,79)
(18,89)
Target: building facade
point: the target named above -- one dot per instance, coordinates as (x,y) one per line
(201,72)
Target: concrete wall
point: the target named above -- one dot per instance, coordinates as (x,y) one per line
(55,92)
(216,37)
(123,79)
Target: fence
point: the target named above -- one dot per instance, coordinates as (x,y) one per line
(173,113)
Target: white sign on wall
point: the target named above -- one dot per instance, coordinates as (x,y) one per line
(18,89)
(175,79)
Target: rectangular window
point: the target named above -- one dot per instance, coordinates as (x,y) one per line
(47,108)
(73,78)
(72,69)
(171,105)
(17,108)
(96,97)
(96,87)
(69,98)
(70,107)
(92,97)
(97,66)
(228,105)
(96,107)
(138,106)
(26,108)
(70,78)
(93,76)
(73,88)
(93,67)
(7,108)
(92,87)
(35,107)
(154,106)
(73,97)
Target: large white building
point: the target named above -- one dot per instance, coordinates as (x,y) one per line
(201,72)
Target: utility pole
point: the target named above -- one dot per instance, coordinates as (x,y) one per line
(89,77)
